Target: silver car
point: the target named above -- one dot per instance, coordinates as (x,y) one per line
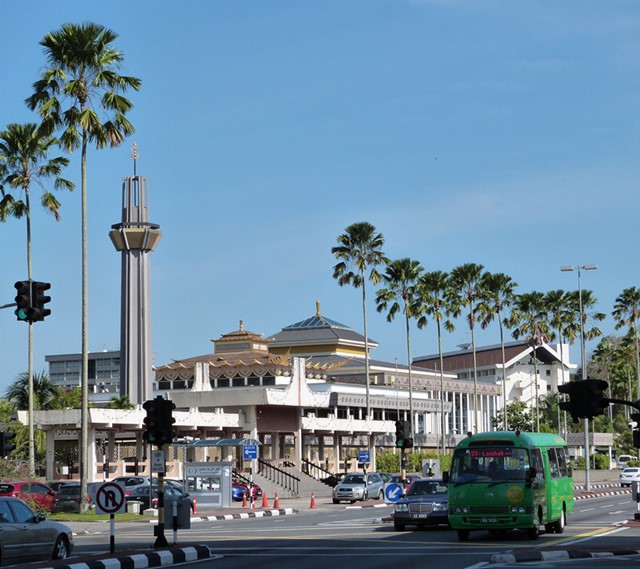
(359,486)
(27,536)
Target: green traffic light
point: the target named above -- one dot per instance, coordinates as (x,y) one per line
(21,313)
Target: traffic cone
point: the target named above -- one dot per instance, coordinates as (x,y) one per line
(195,506)
(244,500)
(265,504)
(313,502)
(276,502)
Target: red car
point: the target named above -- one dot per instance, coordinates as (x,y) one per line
(36,492)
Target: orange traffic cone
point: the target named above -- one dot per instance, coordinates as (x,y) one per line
(195,506)
(244,500)
(313,502)
(276,502)
(265,504)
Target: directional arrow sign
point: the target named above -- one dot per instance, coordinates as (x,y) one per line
(393,492)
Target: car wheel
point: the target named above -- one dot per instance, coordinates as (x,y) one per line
(336,501)
(398,527)
(61,548)
(381,495)
(463,534)
(559,525)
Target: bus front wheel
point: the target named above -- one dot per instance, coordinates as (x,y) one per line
(463,534)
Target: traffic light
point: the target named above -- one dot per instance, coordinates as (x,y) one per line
(23,300)
(403,432)
(159,421)
(6,446)
(38,300)
(586,398)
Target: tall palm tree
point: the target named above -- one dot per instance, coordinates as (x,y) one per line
(500,292)
(557,302)
(119,402)
(83,73)
(466,291)
(626,313)
(530,320)
(24,162)
(431,300)
(360,249)
(400,277)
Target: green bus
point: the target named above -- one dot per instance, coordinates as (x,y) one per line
(510,480)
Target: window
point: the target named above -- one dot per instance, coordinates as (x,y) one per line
(553,463)
(22,513)
(5,513)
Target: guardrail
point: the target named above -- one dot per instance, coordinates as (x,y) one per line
(280,477)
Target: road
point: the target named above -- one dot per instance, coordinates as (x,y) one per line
(359,538)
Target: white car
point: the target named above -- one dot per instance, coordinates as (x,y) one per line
(629,475)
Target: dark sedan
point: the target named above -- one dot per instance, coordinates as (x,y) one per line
(171,494)
(426,504)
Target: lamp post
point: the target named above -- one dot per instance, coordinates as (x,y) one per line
(578,268)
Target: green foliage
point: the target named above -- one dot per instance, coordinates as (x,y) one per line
(519,417)
(390,462)
(597,461)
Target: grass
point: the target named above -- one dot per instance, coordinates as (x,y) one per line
(91,516)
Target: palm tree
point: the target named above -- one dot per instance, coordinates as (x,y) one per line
(557,302)
(431,292)
(400,277)
(530,320)
(83,72)
(466,290)
(626,313)
(24,161)
(359,249)
(119,402)
(45,394)
(500,292)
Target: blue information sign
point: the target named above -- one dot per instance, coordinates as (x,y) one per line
(393,492)
(250,452)
(364,456)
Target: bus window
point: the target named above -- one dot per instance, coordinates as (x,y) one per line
(562,462)
(536,460)
(553,463)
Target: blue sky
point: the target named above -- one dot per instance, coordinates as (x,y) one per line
(497,132)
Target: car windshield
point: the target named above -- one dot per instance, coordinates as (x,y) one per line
(69,491)
(353,479)
(423,488)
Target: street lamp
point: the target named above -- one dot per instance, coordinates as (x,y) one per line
(578,268)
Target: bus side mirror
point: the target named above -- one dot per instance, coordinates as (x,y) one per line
(530,475)
(445,477)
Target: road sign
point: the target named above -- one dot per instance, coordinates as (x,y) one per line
(250,452)
(157,461)
(364,456)
(393,492)
(110,498)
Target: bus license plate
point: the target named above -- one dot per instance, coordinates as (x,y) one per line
(489,520)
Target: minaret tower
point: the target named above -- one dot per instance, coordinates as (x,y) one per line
(135,237)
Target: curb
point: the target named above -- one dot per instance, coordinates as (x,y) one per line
(530,556)
(140,560)
(245,515)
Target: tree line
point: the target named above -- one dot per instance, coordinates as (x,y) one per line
(479,298)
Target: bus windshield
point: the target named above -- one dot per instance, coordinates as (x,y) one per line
(489,463)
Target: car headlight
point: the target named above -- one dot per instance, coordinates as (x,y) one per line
(402,507)
(518,509)
(437,507)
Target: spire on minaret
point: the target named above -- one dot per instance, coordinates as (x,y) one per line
(317,308)
(134,155)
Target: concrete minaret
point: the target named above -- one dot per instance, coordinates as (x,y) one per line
(135,237)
